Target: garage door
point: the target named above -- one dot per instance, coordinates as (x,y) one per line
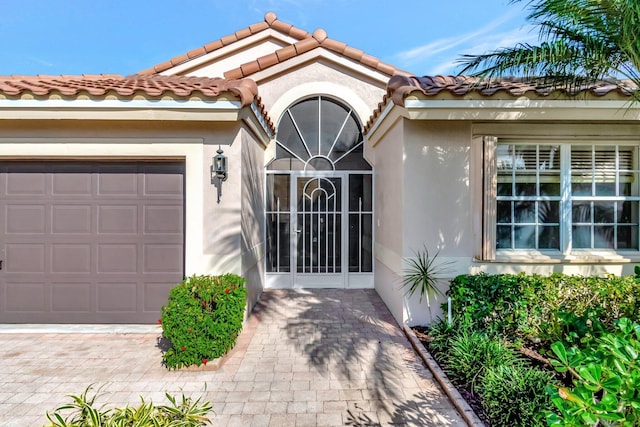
(89,242)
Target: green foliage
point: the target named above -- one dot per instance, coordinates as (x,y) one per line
(606,380)
(514,395)
(582,41)
(548,308)
(82,412)
(472,353)
(441,333)
(423,274)
(203,319)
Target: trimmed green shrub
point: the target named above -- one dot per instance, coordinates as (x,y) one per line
(606,378)
(203,319)
(472,353)
(550,308)
(82,412)
(515,395)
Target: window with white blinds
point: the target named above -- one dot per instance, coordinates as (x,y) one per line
(562,197)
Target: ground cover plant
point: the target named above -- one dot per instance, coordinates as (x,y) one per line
(202,319)
(530,350)
(83,412)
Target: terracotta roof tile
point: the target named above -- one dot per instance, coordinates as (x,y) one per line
(153,86)
(250,68)
(226,40)
(267,61)
(399,87)
(243,33)
(196,52)
(260,26)
(126,86)
(210,47)
(306,43)
(233,74)
(285,53)
(353,53)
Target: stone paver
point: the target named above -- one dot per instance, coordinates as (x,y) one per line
(305,358)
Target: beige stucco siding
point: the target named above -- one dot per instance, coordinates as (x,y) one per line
(388,217)
(320,79)
(252,244)
(437,213)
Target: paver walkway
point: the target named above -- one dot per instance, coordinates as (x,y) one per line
(305,358)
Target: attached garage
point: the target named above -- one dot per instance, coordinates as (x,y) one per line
(89,242)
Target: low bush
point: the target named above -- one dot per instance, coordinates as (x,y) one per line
(82,412)
(515,395)
(203,319)
(549,308)
(606,380)
(471,353)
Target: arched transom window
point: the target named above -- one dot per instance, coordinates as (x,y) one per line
(321,134)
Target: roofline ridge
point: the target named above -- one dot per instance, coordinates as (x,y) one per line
(319,39)
(270,21)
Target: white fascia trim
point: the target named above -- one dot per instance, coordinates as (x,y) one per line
(260,118)
(120,104)
(514,110)
(228,50)
(521,102)
(326,54)
(380,118)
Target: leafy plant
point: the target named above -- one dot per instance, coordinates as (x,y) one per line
(203,319)
(547,308)
(472,353)
(606,380)
(514,395)
(423,274)
(185,412)
(582,41)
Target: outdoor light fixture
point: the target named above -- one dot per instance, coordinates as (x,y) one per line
(219,166)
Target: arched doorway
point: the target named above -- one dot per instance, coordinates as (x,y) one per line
(319,207)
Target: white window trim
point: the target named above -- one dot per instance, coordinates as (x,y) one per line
(566,254)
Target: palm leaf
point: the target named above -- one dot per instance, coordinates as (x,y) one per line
(422,275)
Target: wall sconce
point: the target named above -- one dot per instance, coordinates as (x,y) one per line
(219,167)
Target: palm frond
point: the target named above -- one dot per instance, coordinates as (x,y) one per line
(581,42)
(422,275)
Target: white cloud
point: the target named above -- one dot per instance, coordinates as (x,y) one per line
(40,61)
(441,60)
(446,51)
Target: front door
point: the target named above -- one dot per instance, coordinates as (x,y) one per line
(319,200)
(318,238)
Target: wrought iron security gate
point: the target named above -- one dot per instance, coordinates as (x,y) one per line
(319,200)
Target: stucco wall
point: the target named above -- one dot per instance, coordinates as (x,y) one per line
(437,203)
(252,244)
(389,220)
(320,79)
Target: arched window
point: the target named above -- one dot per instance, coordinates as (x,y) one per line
(320,134)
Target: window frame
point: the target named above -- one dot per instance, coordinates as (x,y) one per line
(489,251)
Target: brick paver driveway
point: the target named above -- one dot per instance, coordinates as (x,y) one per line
(305,358)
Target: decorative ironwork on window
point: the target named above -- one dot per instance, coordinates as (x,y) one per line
(319,134)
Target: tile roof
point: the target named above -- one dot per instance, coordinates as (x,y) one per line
(99,85)
(305,43)
(152,86)
(399,87)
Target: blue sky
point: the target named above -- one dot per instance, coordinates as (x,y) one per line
(424,37)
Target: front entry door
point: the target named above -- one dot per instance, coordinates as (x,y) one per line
(319,200)
(318,237)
